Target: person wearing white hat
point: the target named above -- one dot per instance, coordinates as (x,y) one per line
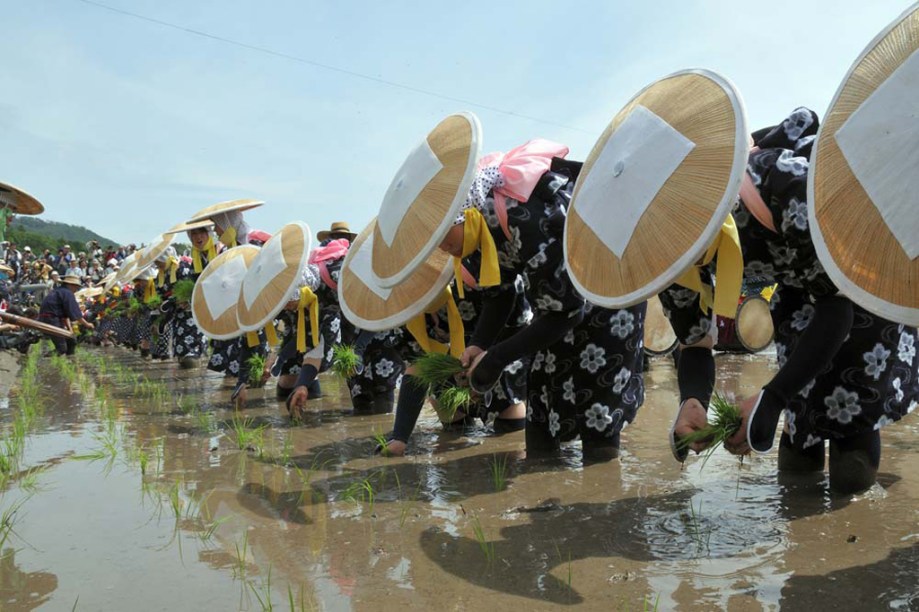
(843,372)
(60,308)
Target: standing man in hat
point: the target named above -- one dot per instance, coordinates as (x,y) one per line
(60,308)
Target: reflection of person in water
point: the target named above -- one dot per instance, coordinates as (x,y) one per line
(23,590)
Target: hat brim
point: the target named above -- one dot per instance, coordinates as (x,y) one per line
(324,234)
(424,198)
(19,201)
(272,276)
(225,207)
(374,308)
(861,169)
(216,292)
(189,225)
(670,163)
(157,247)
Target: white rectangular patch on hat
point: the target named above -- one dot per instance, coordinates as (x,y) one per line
(221,289)
(416,172)
(879,142)
(635,163)
(362,265)
(266,266)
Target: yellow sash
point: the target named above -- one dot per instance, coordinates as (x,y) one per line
(252,339)
(149,291)
(728,273)
(196,254)
(228,237)
(308,300)
(172,264)
(271,335)
(418,327)
(477,237)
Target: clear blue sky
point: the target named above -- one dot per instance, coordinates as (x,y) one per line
(127,127)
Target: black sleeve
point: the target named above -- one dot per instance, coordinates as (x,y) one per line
(495,310)
(546,329)
(408,407)
(817,346)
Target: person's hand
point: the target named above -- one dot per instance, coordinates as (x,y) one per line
(88,325)
(738,443)
(296,402)
(475,362)
(470,354)
(241,397)
(692,418)
(266,370)
(393,448)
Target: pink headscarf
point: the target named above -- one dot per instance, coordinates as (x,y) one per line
(336,249)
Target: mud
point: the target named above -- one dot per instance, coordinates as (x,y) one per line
(146,502)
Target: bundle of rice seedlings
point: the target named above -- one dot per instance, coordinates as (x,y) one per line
(154,302)
(256,365)
(453,399)
(135,306)
(345,361)
(182,291)
(433,369)
(724,421)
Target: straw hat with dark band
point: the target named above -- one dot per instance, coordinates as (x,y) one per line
(225,207)
(71,280)
(339,228)
(864,177)
(190,225)
(374,308)
(656,188)
(214,299)
(18,201)
(424,198)
(272,276)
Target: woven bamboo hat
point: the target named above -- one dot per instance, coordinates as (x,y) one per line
(188,226)
(128,269)
(107,282)
(864,176)
(272,276)
(656,188)
(156,248)
(214,299)
(424,198)
(338,227)
(225,207)
(19,201)
(374,308)
(88,292)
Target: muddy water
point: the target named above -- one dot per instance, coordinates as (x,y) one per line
(308,513)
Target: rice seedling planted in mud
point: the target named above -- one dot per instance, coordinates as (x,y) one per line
(487,548)
(700,536)
(724,421)
(345,362)
(452,399)
(247,435)
(433,369)
(360,491)
(499,472)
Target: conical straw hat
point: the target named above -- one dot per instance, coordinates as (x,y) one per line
(156,248)
(188,226)
(273,275)
(213,301)
(128,265)
(656,188)
(424,198)
(107,282)
(224,207)
(374,308)
(864,177)
(88,292)
(19,201)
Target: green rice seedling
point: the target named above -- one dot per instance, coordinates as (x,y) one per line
(499,472)
(345,361)
(142,460)
(452,399)
(434,369)
(287,450)
(256,365)
(182,291)
(135,307)
(264,597)
(406,505)
(153,302)
(206,422)
(647,603)
(248,437)
(186,404)
(699,536)
(210,529)
(724,421)
(299,604)
(382,442)
(175,499)
(561,560)
(487,548)
(242,555)
(8,521)
(360,491)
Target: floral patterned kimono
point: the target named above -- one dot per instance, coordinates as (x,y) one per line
(589,383)
(872,379)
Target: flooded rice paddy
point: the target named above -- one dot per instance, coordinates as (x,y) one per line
(139,488)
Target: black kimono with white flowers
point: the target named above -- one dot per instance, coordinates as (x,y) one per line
(872,380)
(588,384)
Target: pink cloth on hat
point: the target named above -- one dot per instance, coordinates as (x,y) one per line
(522,167)
(336,249)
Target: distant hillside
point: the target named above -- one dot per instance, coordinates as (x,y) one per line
(76,235)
